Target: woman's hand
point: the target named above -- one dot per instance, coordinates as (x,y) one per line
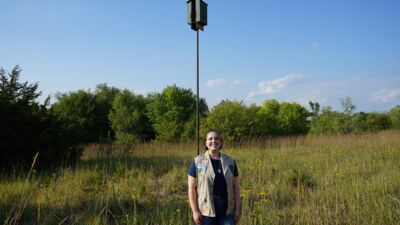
(192,182)
(237,216)
(197,217)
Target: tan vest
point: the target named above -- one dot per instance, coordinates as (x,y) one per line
(205,183)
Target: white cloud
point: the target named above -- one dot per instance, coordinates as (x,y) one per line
(384,95)
(251,95)
(224,83)
(272,86)
(367,93)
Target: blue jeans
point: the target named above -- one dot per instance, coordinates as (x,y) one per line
(220,204)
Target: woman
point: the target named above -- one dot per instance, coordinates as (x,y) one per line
(213,181)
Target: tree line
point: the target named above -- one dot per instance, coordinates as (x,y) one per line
(170,116)
(109,114)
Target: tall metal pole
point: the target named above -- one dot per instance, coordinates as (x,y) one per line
(197,19)
(197,98)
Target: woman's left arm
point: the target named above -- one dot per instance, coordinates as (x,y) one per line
(236,193)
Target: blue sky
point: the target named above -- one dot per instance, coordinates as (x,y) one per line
(251,50)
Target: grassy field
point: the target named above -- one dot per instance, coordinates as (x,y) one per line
(349,179)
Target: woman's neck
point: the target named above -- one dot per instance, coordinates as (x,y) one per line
(214,154)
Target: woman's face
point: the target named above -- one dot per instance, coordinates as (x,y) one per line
(213,141)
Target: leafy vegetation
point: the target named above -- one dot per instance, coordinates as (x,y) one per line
(172,113)
(394,116)
(110,115)
(170,116)
(129,118)
(28,127)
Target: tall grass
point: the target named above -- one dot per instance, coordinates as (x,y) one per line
(343,179)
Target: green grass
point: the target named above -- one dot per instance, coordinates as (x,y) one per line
(346,179)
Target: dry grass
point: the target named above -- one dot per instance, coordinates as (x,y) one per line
(344,179)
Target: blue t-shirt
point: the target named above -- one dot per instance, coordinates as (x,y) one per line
(219,181)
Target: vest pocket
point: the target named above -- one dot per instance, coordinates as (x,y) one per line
(202,202)
(201,197)
(204,208)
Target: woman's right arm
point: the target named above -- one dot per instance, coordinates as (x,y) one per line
(192,181)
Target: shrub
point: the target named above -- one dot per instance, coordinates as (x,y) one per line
(28,127)
(302,177)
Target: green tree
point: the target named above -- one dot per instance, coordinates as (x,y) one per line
(268,118)
(363,122)
(129,118)
(172,113)
(378,121)
(82,116)
(106,93)
(27,127)
(105,96)
(255,121)
(348,108)
(394,115)
(189,129)
(347,105)
(231,118)
(329,122)
(292,119)
(359,122)
(314,108)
